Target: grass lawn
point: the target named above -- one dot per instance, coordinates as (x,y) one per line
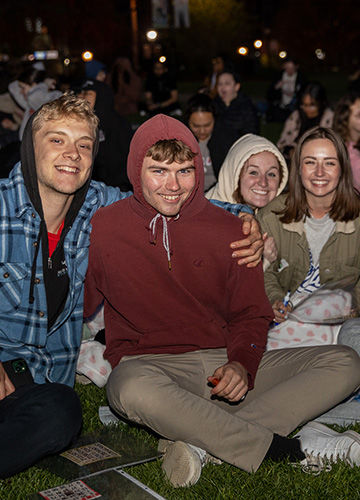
(272,481)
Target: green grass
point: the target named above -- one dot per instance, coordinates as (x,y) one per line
(225,482)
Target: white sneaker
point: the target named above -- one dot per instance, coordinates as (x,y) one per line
(322,446)
(183,462)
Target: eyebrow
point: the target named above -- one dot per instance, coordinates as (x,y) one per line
(253,165)
(326,157)
(162,167)
(59,132)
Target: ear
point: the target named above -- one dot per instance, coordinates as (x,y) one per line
(237,87)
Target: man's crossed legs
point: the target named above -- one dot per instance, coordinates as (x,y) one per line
(170,394)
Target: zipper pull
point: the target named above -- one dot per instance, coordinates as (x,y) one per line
(49,263)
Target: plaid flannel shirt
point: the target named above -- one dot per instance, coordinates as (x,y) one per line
(51,355)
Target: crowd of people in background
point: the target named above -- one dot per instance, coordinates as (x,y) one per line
(218,114)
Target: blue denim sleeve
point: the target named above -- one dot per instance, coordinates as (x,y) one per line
(233,208)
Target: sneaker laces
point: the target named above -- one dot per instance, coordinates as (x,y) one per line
(314,464)
(205,457)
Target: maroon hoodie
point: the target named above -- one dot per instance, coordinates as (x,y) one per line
(205,301)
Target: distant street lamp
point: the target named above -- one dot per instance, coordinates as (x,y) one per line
(258,44)
(162,59)
(282,54)
(243,51)
(151,35)
(87,56)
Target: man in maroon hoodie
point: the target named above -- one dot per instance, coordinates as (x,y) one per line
(186,327)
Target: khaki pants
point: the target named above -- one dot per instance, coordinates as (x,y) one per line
(169,393)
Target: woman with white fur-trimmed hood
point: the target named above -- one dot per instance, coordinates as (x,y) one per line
(254,172)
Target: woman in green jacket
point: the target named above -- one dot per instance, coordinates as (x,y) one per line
(316,228)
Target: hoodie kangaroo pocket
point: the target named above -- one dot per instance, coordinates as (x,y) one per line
(12,280)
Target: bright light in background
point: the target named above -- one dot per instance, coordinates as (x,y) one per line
(320,54)
(243,51)
(162,59)
(87,55)
(258,44)
(282,54)
(66,61)
(151,35)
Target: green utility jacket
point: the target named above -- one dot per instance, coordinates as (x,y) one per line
(339,258)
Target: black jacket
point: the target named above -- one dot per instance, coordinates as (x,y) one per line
(241,115)
(221,140)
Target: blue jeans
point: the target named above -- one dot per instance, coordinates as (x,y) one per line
(35,421)
(350,334)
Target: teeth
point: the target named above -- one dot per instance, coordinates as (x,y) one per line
(320,183)
(67,169)
(256,191)
(168,197)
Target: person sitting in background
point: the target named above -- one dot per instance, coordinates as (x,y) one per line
(161,95)
(95,70)
(283,94)
(219,63)
(126,85)
(233,107)
(253,173)
(31,90)
(9,106)
(347,125)
(214,139)
(313,110)
(115,134)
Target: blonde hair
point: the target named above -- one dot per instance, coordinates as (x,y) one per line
(66,106)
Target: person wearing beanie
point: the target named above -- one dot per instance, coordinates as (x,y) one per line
(96,70)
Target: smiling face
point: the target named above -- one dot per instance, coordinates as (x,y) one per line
(201,124)
(260,179)
(320,172)
(63,155)
(227,87)
(166,186)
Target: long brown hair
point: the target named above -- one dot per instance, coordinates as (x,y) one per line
(346,205)
(342,116)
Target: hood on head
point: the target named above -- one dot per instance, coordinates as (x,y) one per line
(158,128)
(28,167)
(238,154)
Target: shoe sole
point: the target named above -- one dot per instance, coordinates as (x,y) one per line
(181,466)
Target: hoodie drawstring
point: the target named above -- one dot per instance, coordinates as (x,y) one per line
(166,243)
